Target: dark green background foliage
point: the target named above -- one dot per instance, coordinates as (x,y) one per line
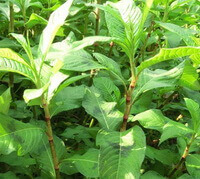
(99,89)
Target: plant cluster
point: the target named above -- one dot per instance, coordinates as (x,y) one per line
(99,89)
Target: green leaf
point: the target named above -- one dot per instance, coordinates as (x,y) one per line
(149,80)
(118,150)
(111,66)
(167,54)
(16,67)
(185,34)
(20,38)
(151,119)
(185,176)
(10,175)
(34,20)
(190,77)
(152,174)
(86,164)
(44,158)
(174,129)
(67,99)
(5,100)
(107,88)
(11,55)
(80,61)
(165,156)
(193,165)
(18,136)
(194,110)
(70,81)
(56,20)
(105,112)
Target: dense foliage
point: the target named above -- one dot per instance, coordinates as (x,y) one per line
(99,89)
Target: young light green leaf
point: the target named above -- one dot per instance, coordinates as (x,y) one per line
(118,150)
(5,100)
(56,20)
(35,19)
(167,54)
(11,55)
(20,38)
(105,112)
(18,136)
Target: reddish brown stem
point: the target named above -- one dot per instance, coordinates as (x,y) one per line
(50,139)
(181,161)
(129,104)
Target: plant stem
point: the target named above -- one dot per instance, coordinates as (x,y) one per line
(111,47)
(50,138)
(185,154)
(166,11)
(129,104)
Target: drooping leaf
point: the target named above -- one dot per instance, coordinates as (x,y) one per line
(87,164)
(80,61)
(151,119)
(8,174)
(174,129)
(111,65)
(16,67)
(149,80)
(118,150)
(66,99)
(105,112)
(107,88)
(160,155)
(185,34)
(18,136)
(193,165)
(167,54)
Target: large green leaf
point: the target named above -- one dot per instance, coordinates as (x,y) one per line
(16,67)
(167,54)
(66,99)
(193,165)
(152,174)
(86,164)
(18,136)
(190,77)
(105,112)
(56,20)
(151,119)
(11,55)
(107,88)
(174,129)
(80,61)
(110,65)
(165,156)
(121,153)
(149,80)
(185,34)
